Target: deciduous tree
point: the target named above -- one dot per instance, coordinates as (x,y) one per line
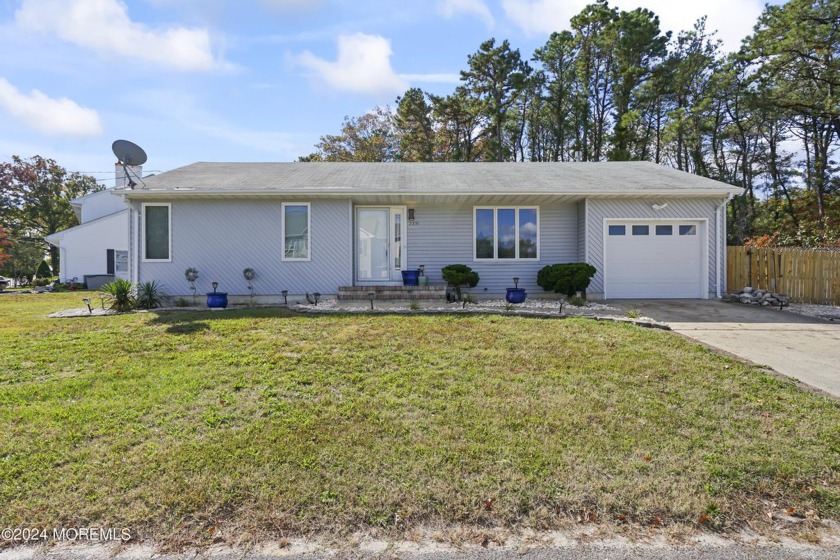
(35,197)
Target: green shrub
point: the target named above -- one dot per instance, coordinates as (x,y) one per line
(565,278)
(459,276)
(150,294)
(120,293)
(43,270)
(38,282)
(576,301)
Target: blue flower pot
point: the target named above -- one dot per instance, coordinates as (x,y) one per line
(410,277)
(217,300)
(515,295)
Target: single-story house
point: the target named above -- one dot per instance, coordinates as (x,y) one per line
(650,231)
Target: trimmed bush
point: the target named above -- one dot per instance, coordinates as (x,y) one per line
(43,270)
(565,278)
(459,276)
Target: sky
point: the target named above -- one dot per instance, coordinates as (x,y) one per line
(254,80)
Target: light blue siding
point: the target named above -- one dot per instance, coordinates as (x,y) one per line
(222,237)
(599,210)
(581,231)
(444,235)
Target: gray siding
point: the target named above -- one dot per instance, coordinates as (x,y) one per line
(223,237)
(444,235)
(581,231)
(599,210)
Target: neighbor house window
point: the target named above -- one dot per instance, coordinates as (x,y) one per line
(295,231)
(157,227)
(506,233)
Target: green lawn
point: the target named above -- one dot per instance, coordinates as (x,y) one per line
(267,423)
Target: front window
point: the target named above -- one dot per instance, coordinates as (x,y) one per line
(156,232)
(506,233)
(295,232)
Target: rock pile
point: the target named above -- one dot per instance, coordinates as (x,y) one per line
(750,296)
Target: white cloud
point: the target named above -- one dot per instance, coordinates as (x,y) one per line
(733,19)
(104,26)
(55,117)
(451,8)
(363,66)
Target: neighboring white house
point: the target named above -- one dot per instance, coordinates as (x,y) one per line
(95,251)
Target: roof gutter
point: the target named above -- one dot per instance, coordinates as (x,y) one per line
(342,193)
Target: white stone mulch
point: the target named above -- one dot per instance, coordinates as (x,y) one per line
(830,312)
(540,306)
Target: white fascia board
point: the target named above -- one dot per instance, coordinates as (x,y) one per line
(167,193)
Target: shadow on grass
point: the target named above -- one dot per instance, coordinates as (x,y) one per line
(192,321)
(187,328)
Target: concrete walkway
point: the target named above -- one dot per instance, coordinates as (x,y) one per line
(805,348)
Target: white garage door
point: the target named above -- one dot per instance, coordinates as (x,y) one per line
(654,260)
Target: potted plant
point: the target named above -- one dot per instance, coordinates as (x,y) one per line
(217,300)
(410,277)
(516,294)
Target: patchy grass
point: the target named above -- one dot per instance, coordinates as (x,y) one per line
(264,423)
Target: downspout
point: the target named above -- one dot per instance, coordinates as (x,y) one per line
(721,232)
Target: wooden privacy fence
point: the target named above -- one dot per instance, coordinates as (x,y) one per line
(804,275)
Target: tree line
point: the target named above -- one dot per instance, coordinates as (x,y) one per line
(616,87)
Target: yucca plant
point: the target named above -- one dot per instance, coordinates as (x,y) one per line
(150,294)
(120,293)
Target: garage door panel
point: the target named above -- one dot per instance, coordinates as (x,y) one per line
(654,266)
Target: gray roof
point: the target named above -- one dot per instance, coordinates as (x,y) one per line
(625,178)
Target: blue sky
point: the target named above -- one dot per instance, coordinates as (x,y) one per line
(252,80)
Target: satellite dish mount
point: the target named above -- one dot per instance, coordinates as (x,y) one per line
(128,153)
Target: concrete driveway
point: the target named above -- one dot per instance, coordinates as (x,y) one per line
(797,346)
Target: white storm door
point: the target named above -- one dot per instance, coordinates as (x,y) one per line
(380,244)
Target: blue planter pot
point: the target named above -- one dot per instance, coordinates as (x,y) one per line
(217,300)
(515,295)
(410,277)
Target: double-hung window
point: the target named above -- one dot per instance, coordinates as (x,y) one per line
(157,232)
(296,220)
(506,232)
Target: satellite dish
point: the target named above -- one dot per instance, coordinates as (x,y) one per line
(128,153)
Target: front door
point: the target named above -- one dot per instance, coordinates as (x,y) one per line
(380,244)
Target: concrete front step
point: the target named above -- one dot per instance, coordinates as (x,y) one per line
(437,291)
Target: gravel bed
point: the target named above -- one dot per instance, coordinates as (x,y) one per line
(829,312)
(541,306)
